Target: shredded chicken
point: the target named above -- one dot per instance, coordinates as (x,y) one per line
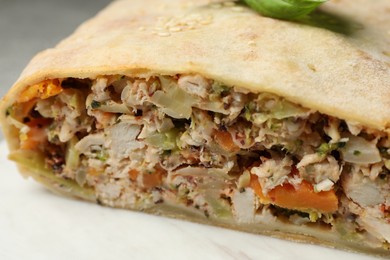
(99,90)
(316,169)
(195,85)
(273,172)
(215,150)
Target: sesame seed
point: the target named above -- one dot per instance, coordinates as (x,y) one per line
(162,19)
(237,9)
(229,4)
(205,22)
(171,23)
(167,25)
(312,67)
(251,43)
(163,34)
(175,29)
(141,28)
(163,6)
(191,23)
(159,29)
(216,6)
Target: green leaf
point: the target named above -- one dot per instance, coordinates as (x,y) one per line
(284,9)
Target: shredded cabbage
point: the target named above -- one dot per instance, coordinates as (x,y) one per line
(164,140)
(173,101)
(220,208)
(268,107)
(72,154)
(327,148)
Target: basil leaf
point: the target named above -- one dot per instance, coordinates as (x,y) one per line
(284,9)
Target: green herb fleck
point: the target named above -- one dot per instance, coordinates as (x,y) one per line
(341,144)
(249,109)
(383,150)
(357,152)
(95,104)
(327,148)
(8,111)
(219,88)
(166,153)
(101,155)
(314,216)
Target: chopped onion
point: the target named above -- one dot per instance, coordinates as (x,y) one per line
(360,151)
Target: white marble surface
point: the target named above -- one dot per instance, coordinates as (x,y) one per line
(36,224)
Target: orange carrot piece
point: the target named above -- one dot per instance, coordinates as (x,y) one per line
(151,180)
(303,198)
(133,174)
(28,94)
(225,140)
(43,90)
(255,185)
(36,135)
(27,107)
(52,88)
(95,172)
(154,179)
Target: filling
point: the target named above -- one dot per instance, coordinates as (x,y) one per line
(212,149)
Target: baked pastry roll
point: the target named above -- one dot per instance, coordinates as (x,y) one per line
(209,112)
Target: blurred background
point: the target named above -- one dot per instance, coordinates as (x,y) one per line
(29,26)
